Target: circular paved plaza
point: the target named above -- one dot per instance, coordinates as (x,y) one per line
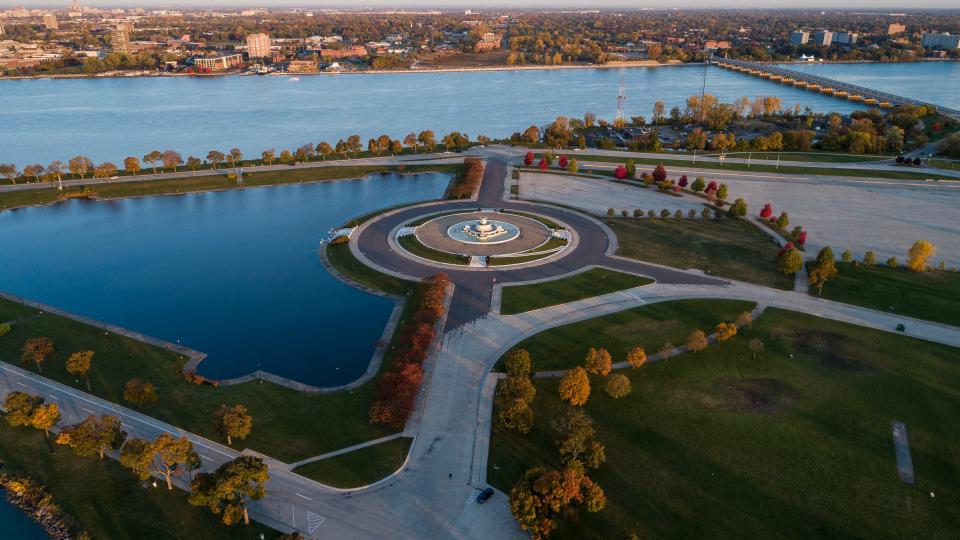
(436,234)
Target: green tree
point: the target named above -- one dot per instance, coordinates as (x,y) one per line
(170,456)
(790,262)
(19,407)
(723,191)
(617,385)
(516,415)
(738,209)
(79,364)
(517,388)
(226,490)
(518,363)
(93,436)
(139,392)
(233,422)
(37,350)
(135,455)
(846,256)
(783,221)
(699,184)
(869,258)
(823,269)
(892,262)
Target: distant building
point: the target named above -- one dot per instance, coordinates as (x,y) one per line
(356,50)
(489,42)
(799,37)
(823,37)
(120,39)
(302,66)
(896,28)
(50,21)
(258,45)
(219,63)
(934,40)
(713,45)
(845,38)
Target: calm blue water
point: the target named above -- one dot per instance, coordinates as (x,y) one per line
(16,525)
(235,274)
(108,119)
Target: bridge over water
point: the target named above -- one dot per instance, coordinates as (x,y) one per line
(816,83)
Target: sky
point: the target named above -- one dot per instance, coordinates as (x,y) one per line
(885,5)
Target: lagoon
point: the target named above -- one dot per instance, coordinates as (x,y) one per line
(235,274)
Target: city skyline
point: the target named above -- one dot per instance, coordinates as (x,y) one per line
(885,5)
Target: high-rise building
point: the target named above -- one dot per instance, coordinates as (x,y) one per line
(120,37)
(258,45)
(50,21)
(799,37)
(845,38)
(896,28)
(823,37)
(934,40)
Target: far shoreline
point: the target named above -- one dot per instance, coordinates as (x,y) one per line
(610,65)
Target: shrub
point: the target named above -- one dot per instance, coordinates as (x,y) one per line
(783,221)
(638,212)
(790,261)
(726,331)
(637,357)
(678,214)
(698,184)
(683,181)
(518,363)
(4,329)
(705,213)
(846,256)
(617,386)
(692,213)
(528,159)
(665,213)
(611,212)
(722,192)
(738,209)
(517,388)
(620,172)
(624,213)
(651,213)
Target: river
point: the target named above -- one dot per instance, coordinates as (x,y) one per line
(234,274)
(110,118)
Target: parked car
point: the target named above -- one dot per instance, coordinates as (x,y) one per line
(484,495)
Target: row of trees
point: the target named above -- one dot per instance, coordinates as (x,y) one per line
(470,180)
(398,387)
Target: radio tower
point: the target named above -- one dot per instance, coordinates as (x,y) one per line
(620,120)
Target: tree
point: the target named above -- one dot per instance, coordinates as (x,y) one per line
(756,346)
(519,364)
(194,163)
(617,386)
(697,341)
(427,140)
(563,162)
(324,149)
(698,184)
(225,490)
(823,269)
(659,109)
(528,158)
(79,364)
(870,258)
(637,357)
(738,209)
(131,165)
(575,386)
(516,388)
(517,416)
(93,436)
(233,422)
(620,172)
(598,361)
(139,392)
(152,158)
(171,159)
(826,255)
(37,350)
(722,192)
(541,496)
(169,456)
(410,141)
(34,170)
(573,166)
(574,433)
(215,157)
(790,261)
(80,165)
(19,407)
(287,157)
(104,170)
(783,221)
(353,145)
(55,169)
(135,455)
(45,417)
(725,331)
(919,253)
(9,171)
(846,256)
(767,211)
(744,320)
(892,262)
(531,135)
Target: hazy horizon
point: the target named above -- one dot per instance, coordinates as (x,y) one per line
(883,5)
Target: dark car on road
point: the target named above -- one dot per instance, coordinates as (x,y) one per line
(484,495)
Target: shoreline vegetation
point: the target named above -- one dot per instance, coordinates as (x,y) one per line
(608,65)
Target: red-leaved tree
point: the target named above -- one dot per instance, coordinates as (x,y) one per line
(659,173)
(766,211)
(563,161)
(543,164)
(528,159)
(683,181)
(620,172)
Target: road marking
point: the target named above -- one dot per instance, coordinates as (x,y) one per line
(88,410)
(304,496)
(21,384)
(313,521)
(206,457)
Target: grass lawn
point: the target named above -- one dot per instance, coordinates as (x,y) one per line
(279,413)
(945,164)
(933,296)
(819,157)
(342,259)
(504,261)
(728,248)
(107,499)
(795,443)
(360,467)
(647,326)
(415,247)
(756,167)
(593,282)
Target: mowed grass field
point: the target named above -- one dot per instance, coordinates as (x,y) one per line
(730,248)
(360,467)
(650,326)
(108,500)
(794,443)
(934,295)
(593,282)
